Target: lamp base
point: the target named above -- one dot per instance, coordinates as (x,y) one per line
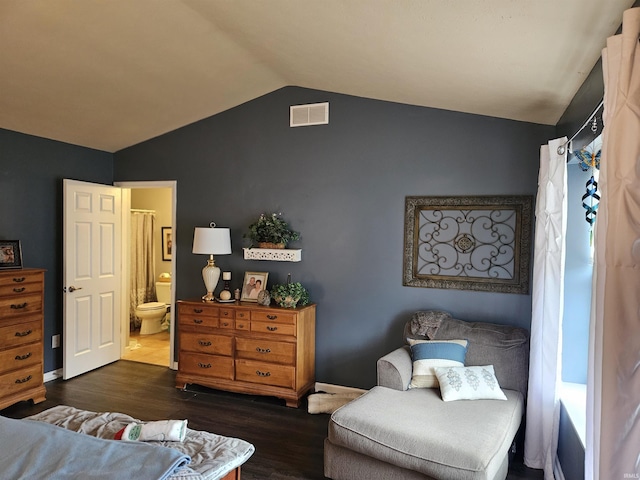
(210,275)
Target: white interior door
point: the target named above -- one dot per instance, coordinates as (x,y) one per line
(91,275)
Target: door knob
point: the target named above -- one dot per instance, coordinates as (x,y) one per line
(73,289)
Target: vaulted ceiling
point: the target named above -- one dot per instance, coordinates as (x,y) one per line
(110,74)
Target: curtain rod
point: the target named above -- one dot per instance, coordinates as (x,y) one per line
(562,148)
(138,210)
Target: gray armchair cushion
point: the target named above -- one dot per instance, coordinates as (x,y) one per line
(504,346)
(416,430)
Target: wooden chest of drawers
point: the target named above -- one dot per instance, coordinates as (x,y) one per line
(247,348)
(21,336)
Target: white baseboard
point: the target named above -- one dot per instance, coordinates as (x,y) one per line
(52,375)
(329,388)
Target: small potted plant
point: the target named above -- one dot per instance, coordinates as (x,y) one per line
(290,294)
(271,231)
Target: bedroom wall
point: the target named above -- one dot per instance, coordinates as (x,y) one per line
(343,187)
(31,174)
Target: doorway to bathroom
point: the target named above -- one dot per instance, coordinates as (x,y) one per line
(149,226)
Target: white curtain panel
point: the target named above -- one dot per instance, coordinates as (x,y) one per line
(142,283)
(613,384)
(543,402)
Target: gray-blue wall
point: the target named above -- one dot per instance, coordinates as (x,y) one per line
(31,173)
(343,187)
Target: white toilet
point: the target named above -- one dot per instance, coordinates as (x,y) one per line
(152,314)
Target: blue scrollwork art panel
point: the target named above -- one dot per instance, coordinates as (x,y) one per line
(470,243)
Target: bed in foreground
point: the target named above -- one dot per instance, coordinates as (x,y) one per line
(39,449)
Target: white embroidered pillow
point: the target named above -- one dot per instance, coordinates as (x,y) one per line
(469,383)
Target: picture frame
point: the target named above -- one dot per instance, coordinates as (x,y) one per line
(480,243)
(249,291)
(10,254)
(167,244)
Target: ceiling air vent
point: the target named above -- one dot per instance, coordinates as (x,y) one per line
(310,114)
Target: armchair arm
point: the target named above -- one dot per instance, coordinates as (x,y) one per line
(395,369)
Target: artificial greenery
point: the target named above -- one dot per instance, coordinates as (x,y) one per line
(271,228)
(290,294)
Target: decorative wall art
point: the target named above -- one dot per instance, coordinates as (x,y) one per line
(167,244)
(468,243)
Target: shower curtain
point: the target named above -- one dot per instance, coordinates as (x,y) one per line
(143,286)
(613,380)
(545,364)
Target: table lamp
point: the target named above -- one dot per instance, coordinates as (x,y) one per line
(211,241)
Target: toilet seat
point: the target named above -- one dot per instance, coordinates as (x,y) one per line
(151,306)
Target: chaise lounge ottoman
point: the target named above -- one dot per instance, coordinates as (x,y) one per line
(393,432)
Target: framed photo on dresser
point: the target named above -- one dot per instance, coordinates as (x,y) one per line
(10,254)
(253,283)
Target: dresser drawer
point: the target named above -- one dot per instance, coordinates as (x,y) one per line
(278,317)
(20,289)
(23,356)
(199,310)
(265,373)
(19,304)
(227,313)
(206,343)
(28,331)
(18,380)
(273,328)
(226,323)
(21,277)
(266,350)
(206,365)
(198,320)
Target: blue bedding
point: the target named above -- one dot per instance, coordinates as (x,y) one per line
(37,450)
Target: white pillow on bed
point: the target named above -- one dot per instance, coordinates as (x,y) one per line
(469,383)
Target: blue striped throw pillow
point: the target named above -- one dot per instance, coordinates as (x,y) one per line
(428,354)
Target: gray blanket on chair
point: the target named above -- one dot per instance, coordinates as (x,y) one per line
(37,450)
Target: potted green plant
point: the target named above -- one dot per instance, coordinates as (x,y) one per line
(290,294)
(271,231)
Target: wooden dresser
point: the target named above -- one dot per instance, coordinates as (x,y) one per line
(21,336)
(247,348)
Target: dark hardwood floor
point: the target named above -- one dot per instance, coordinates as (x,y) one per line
(288,441)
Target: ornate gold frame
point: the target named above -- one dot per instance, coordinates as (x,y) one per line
(480,243)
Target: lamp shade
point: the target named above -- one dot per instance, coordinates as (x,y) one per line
(211,241)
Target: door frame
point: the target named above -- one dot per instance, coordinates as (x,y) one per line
(126,234)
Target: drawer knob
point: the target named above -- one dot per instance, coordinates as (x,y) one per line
(204,365)
(197,320)
(23,357)
(271,329)
(19,279)
(225,324)
(263,350)
(272,317)
(23,334)
(263,374)
(225,314)
(19,290)
(18,307)
(241,325)
(197,310)
(23,380)
(204,343)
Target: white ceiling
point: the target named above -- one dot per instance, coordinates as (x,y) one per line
(110,74)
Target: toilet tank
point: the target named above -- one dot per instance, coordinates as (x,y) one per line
(163,291)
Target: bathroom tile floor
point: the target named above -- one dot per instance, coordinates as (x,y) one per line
(153,349)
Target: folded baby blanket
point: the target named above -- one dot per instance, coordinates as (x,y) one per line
(161,430)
